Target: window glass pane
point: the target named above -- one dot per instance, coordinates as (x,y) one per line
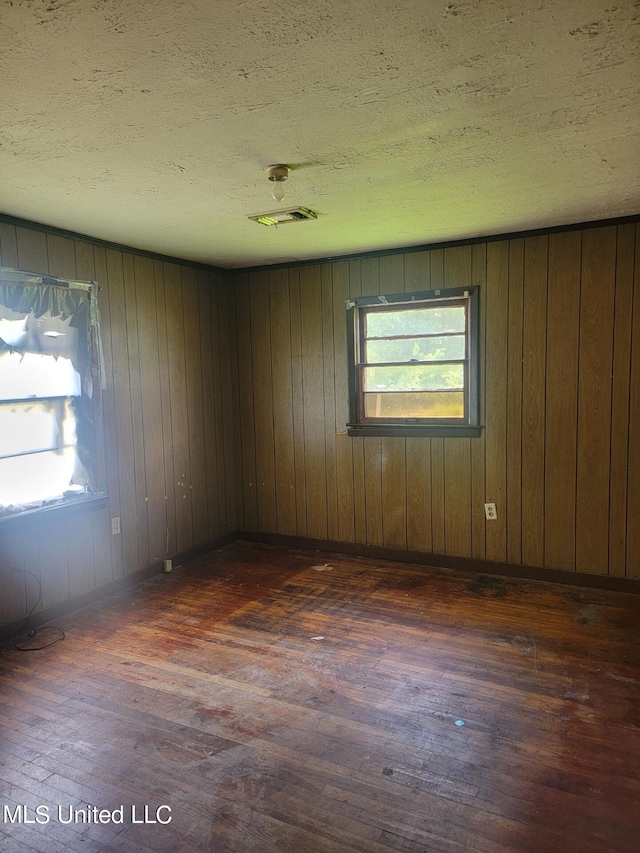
(25,427)
(419,349)
(415,321)
(48,393)
(418,377)
(38,477)
(418,405)
(33,375)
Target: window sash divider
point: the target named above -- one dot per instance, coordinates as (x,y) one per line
(453,390)
(13,400)
(440,362)
(417,336)
(34,452)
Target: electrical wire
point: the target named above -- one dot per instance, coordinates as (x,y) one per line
(32,632)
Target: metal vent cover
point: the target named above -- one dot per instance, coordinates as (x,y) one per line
(281,217)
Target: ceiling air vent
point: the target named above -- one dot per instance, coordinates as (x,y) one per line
(280,217)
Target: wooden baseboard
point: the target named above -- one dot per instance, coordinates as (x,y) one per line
(467,564)
(421,558)
(63,608)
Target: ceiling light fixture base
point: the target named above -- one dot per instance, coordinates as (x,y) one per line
(278,173)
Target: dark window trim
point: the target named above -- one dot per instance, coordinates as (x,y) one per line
(418,431)
(53,512)
(358,425)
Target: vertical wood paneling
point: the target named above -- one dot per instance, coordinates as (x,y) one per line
(123,413)
(13,601)
(313,397)
(357,451)
(150,398)
(193,367)
(394,492)
(514,402)
(228,486)
(109,412)
(479,531)
(217,311)
(343,444)
(247,423)
(233,416)
(191,401)
(373,488)
(62,256)
(32,250)
(137,425)
(594,399)
(533,411)
(417,272)
(418,466)
(170,543)
(53,560)
(563,302)
(457,463)
(31,554)
(160,353)
(208,405)
(621,384)
(8,245)
(495,399)
(329,381)
(179,406)
(80,554)
(85,261)
(297,390)
(281,364)
(633,476)
(263,401)
(428,494)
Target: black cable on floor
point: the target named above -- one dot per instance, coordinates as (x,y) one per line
(32,632)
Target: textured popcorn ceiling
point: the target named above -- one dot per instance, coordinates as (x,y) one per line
(150,123)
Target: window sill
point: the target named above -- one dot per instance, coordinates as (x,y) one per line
(415,430)
(58,511)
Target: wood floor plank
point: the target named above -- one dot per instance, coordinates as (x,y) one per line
(293,701)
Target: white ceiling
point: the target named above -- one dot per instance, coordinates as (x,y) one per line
(150,123)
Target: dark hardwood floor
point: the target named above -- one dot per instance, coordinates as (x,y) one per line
(275,703)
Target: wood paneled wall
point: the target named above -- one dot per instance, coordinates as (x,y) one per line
(170,419)
(560,346)
(226,406)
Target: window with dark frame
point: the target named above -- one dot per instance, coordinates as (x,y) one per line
(413,364)
(50,400)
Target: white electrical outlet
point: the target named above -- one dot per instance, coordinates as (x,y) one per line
(115,526)
(490,512)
